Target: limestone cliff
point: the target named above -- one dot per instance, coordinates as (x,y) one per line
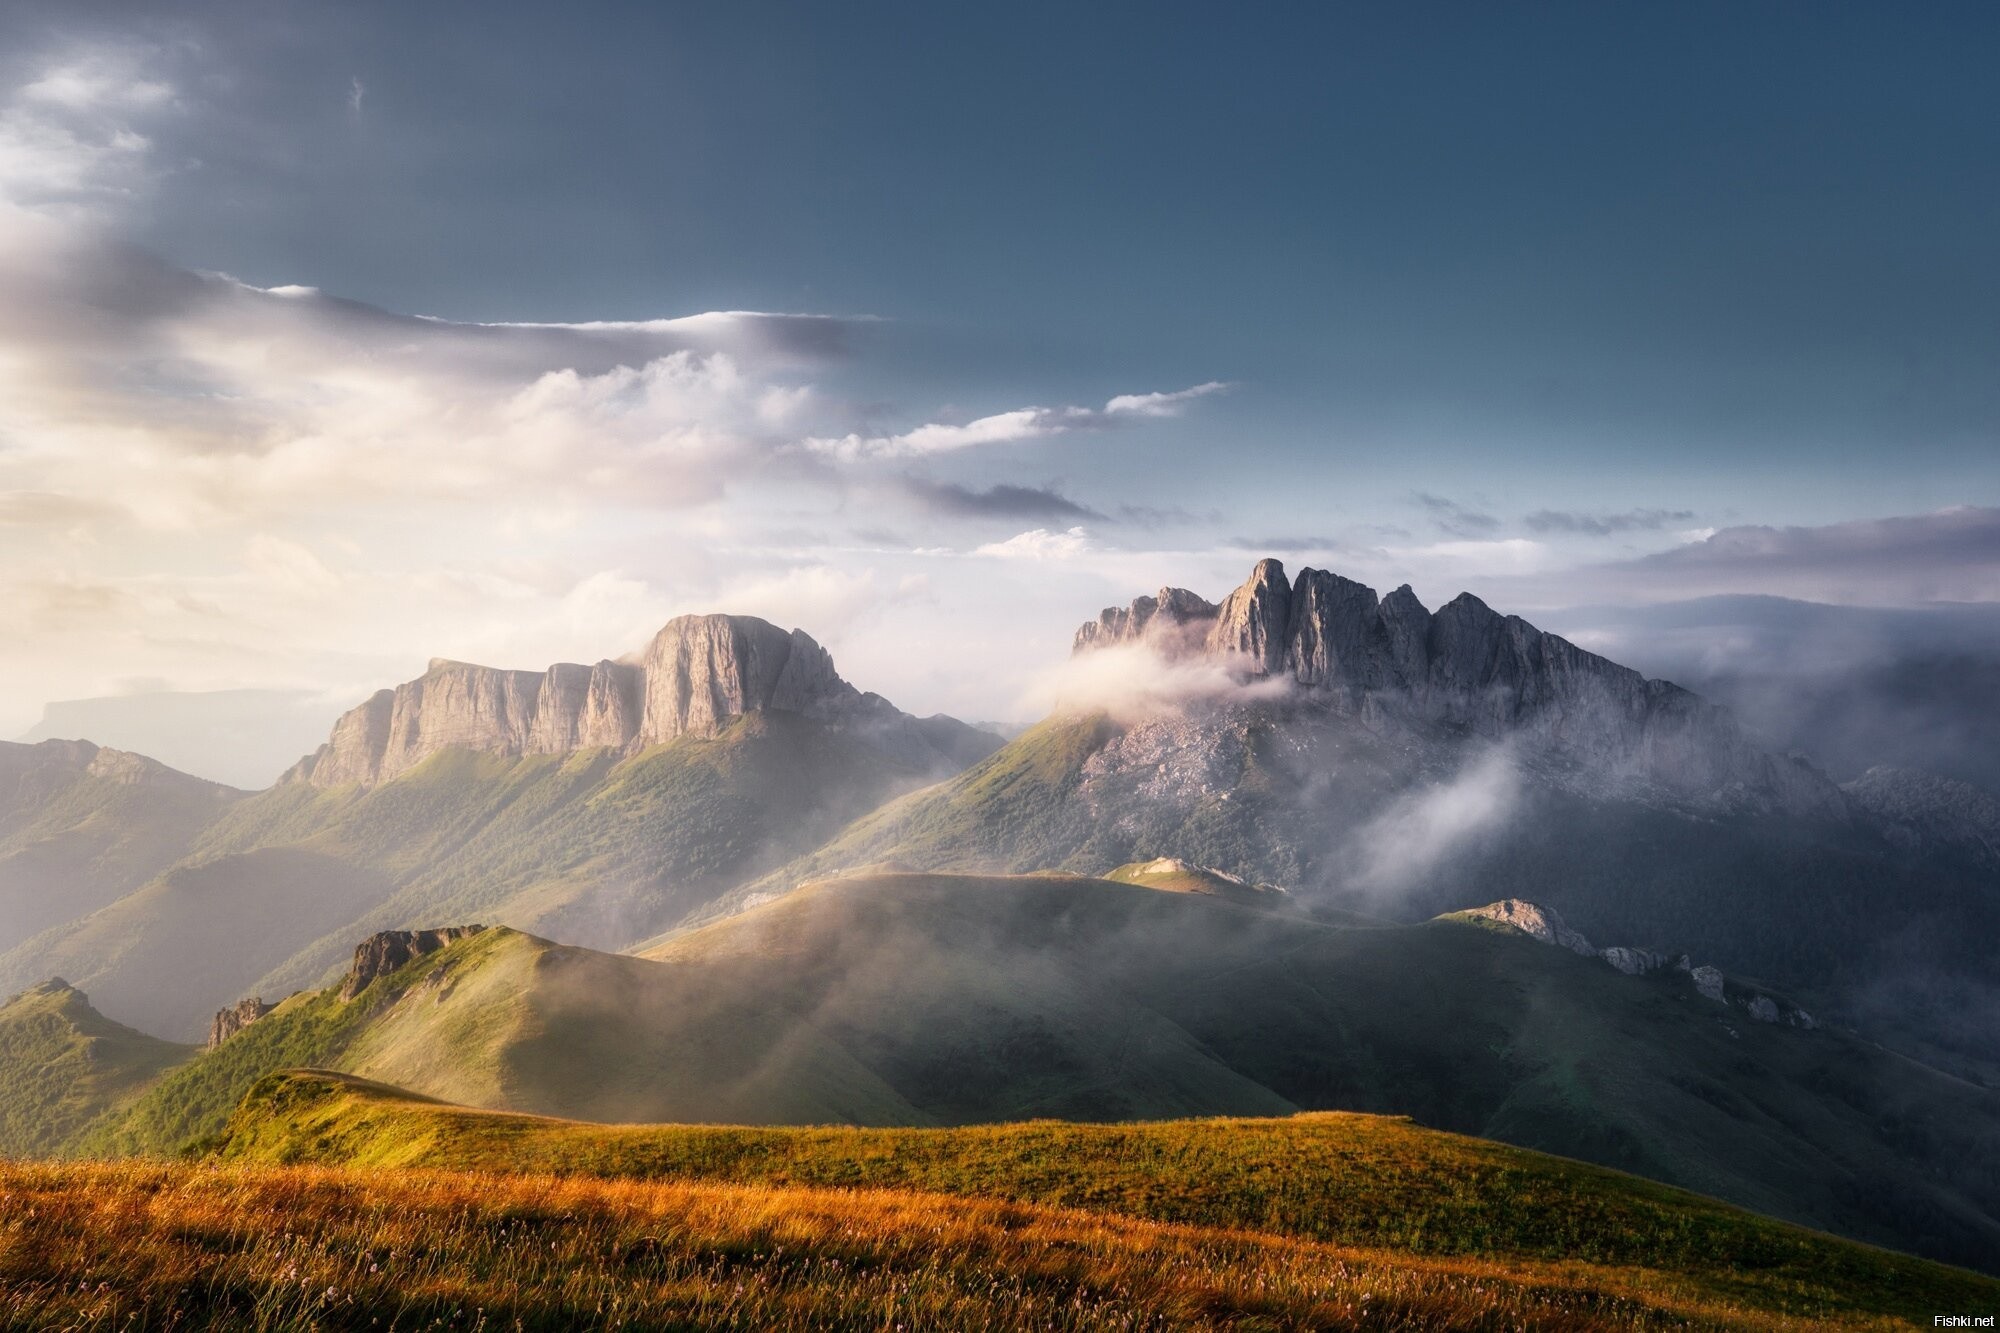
(697,674)
(1464,668)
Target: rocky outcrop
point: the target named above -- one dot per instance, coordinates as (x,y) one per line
(1546,925)
(380,954)
(698,674)
(228,1022)
(1468,669)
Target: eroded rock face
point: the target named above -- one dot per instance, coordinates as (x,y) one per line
(380,954)
(228,1022)
(1469,669)
(698,674)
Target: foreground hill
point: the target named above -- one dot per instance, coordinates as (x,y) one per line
(1371,1182)
(81,825)
(109,1246)
(598,804)
(63,1064)
(899,999)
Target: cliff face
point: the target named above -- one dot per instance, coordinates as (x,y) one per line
(384,952)
(698,673)
(228,1022)
(1464,667)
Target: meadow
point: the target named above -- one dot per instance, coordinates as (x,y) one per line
(132,1246)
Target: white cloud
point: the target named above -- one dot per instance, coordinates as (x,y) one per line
(1040,544)
(72,139)
(1160,404)
(1026,423)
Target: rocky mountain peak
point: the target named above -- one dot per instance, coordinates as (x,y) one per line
(698,674)
(1466,668)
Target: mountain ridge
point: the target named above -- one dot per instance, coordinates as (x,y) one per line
(697,673)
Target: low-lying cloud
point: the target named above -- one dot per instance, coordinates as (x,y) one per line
(1423,829)
(1134,682)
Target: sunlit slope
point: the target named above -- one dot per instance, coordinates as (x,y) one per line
(586,846)
(929,999)
(507,1019)
(147,1245)
(1366,1181)
(63,1064)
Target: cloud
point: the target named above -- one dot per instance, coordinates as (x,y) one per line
(1133,682)
(1026,423)
(1423,829)
(187,396)
(1952,555)
(1160,404)
(1454,518)
(28,509)
(1000,501)
(1605,525)
(357,92)
(1040,544)
(73,141)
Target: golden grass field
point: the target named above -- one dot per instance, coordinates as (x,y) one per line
(332,1203)
(106,1246)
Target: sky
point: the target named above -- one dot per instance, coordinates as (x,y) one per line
(337,337)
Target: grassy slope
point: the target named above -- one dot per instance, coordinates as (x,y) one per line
(586,846)
(1350,1180)
(72,840)
(114,1247)
(915,999)
(1799,903)
(1474,1028)
(507,1019)
(63,1064)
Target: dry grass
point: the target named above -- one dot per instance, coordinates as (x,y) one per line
(150,1246)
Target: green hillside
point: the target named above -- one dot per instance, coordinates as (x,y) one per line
(63,1064)
(1352,1180)
(904,999)
(586,846)
(1287,797)
(80,826)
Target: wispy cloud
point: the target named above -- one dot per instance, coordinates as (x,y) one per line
(1040,544)
(999,501)
(1607,525)
(1453,518)
(1026,423)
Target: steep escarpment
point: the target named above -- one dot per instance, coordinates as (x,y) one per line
(698,674)
(1466,668)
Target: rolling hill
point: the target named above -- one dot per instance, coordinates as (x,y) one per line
(65,1065)
(902,999)
(1360,1181)
(80,826)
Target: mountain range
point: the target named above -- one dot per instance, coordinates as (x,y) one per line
(721,883)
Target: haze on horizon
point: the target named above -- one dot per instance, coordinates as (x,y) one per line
(332,340)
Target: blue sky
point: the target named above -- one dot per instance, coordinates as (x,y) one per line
(1527,299)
